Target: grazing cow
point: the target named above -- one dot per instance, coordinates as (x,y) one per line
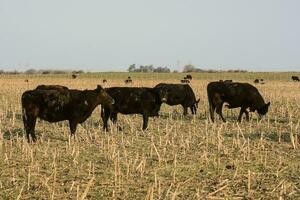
(104,81)
(132,100)
(51,87)
(189,77)
(54,105)
(185,80)
(236,95)
(295,78)
(128,80)
(256,81)
(74,76)
(179,94)
(261,81)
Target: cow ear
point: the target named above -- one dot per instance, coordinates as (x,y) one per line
(198,100)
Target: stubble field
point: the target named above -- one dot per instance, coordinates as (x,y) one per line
(177,157)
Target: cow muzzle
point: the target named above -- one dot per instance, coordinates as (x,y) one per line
(164,100)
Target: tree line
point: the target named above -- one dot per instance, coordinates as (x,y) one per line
(186,69)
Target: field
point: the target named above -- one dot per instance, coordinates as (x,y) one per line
(177,157)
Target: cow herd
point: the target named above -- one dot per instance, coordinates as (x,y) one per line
(54,103)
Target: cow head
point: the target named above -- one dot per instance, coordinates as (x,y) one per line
(163,94)
(103,97)
(263,110)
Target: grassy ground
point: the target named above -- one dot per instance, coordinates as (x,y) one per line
(176,158)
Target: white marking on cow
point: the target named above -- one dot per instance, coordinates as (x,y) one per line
(86,103)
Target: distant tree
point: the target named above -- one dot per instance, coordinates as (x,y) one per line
(131,68)
(46,72)
(77,72)
(146,68)
(189,68)
(31,71)
(162,70)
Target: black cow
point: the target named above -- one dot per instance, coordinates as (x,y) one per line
(189,77)
(74,76)
(132,100)
(104,81)
(179,94)
(256,81)
(261,81)
(295,78)
(128,80)
(54,105)
(236,95)
(185,80)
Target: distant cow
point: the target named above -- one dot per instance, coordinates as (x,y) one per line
(236,95)
(185,80)
(295,78)
(189,77)
(132,100)
(104,81)
(26,80)
(179,94)
(54,105)
(128,80)
(261,81)
(74,76)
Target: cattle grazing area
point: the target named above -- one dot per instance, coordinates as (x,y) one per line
(179,155)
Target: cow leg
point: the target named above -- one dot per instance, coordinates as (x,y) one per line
(105,113)
(73,126)
(212,112)
(31,127)
(185,110)
(193,109)
(32,130)
(31,121)
(243,110)
(145,121)
(114,117)
(219,111)
(247,115)
(26,125)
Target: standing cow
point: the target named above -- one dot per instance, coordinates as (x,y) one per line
(132,100)
(179,94)
(236,95)
(54,105)
(295,78)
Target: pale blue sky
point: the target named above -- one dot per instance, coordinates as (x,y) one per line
(110,35)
